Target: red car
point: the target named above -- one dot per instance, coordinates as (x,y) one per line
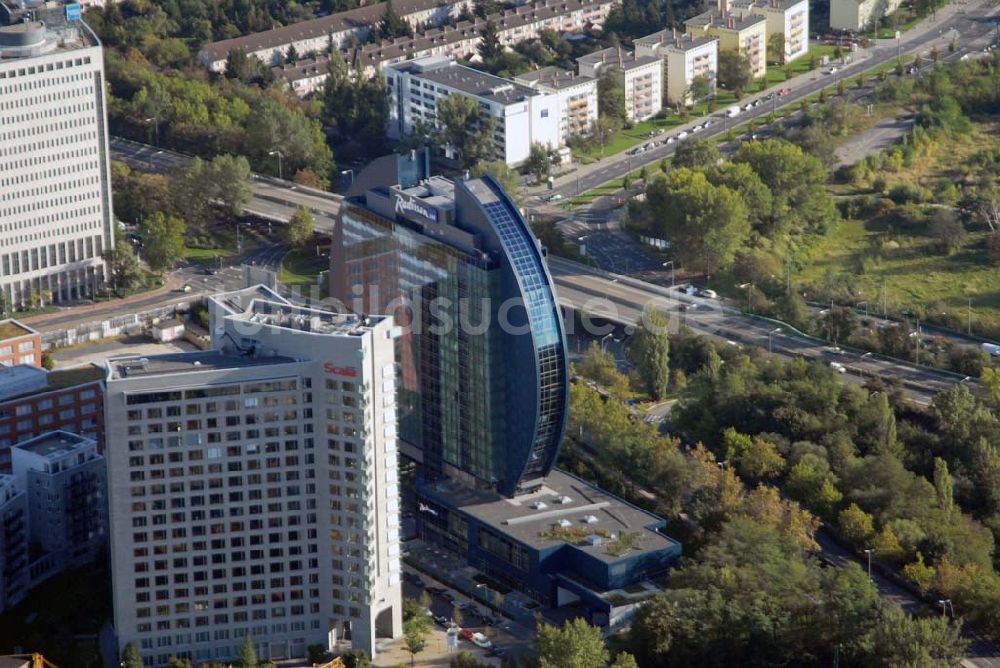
(466,634)
(784,91)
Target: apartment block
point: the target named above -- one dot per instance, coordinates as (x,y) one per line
(14,578)
(743,33)
(55,207)
(335,31)
(19,344)
(254,486)
(576,98)
(523,116)
(459,41)
(65,480)
(33,401)
(685,59)
(859,16)
(789,18)
(641,77)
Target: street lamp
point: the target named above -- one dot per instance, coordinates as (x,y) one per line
(280,156)
(604,340)
(866,307)
(748,287)
(345,172)
(671,263)
(770,334)
(156,129)
(869,553)
(943,602)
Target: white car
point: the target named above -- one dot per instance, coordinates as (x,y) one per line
(682,135)
(838,367)
(556,197)
(481,641)
(670,140)
(708,294)
(832,70)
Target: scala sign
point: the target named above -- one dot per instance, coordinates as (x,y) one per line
(347,371)
(404,205)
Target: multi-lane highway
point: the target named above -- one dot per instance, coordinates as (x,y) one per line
(273,199)
(622,299)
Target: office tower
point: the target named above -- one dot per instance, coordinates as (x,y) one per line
(483,357)
(65,480)
(253,486)
(55,211)
(13,542)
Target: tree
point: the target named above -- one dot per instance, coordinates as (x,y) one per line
(734,72)
(776,48)
(624,660)
(901,640)
(124,272)
(706,224)
(856,526)
(490,48)
(576,644)
(946,229)
(248,655)
(292,54)
(762,460)
(415,627)
(230,181)
(611,98)
(504,174)
(415,643)
(700,88)
(943,486)
(131,657)
(357,658)
(317,654)
(237,64)
(466,129)
(339,103)
(391,25)
(466,660)
(163,241)
(299,229)
(650,352)
(372,113)
(695,153)
(838,323)
(539,161)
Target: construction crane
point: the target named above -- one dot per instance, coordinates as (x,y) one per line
(36,660)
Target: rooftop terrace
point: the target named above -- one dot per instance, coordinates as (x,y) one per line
(54,444)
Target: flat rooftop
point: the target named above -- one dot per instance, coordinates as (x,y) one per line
(54,444)
(467,80)
(566,510)
(303,319)
(553,78)
(10,329)
(134,366)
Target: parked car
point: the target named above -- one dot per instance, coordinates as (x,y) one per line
(682,135)
(441,621)
(555,197)
(465,634)
(708,294)
(481,641)
(784,91)
(832,70)
(838,367)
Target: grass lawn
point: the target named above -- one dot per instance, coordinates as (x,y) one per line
(913,273)
(302,267)
(776,74)
(905,19)
(204,255)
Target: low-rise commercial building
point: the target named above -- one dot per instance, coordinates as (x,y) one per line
(744,33)
(69,400)
(567,542)
(640,76)
(686,58)
(65,480)
(576,98)
(19,344)
(523,116)
(335,31)
(860,15)
(14,579)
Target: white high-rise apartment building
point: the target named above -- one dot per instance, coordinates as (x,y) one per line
(253,487)
(55,195)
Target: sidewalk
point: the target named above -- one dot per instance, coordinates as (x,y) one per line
(909,42)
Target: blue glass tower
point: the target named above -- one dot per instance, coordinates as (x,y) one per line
(483,377)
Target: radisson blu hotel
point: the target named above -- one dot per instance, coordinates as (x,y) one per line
(483,389)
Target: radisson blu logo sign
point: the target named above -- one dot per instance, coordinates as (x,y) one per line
(404,206)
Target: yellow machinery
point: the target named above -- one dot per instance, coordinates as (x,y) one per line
(36,659)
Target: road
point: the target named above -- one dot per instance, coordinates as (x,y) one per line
(273,199)
(622,300)
(876,138)
(974,29)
